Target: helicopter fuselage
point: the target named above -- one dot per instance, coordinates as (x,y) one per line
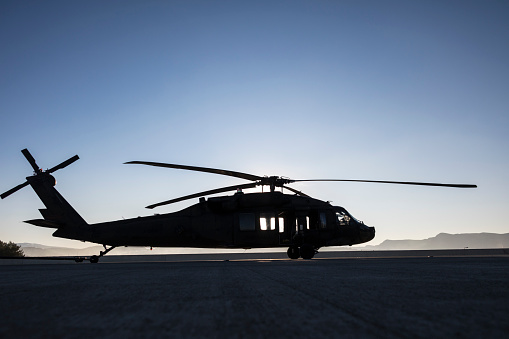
(254,220)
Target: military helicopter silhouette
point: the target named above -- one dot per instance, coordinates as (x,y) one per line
(242,220)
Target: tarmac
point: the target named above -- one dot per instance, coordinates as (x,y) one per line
(372,297)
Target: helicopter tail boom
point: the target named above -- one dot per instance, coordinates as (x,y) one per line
(58,213)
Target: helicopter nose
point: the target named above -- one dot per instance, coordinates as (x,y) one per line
(367,233)
(372,232)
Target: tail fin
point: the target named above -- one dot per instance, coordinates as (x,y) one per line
(58,212)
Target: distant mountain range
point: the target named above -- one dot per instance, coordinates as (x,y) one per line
(444,241)
(37,250)
(441,241)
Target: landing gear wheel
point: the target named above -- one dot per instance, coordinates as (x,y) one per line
(307,251)
(293,252)
(95,258)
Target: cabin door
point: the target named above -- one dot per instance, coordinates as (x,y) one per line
(256,229)
(287,227)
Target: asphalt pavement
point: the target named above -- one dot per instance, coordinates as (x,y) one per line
(439,297)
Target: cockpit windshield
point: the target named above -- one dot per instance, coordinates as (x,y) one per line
(345,218)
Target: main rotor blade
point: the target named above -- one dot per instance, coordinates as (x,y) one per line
(30,159)
(296,192)
(201,194)
(12,190)
(398,182)
(63,164)
(200,169)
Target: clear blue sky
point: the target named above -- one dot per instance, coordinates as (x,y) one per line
(381,90)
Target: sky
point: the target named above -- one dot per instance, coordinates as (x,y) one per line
(378,90)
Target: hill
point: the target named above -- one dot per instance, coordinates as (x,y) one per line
(441,241)
(447,241)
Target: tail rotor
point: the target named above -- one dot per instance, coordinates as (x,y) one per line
(37,171)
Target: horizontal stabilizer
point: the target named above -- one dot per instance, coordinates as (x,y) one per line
(43,223)
(48,215)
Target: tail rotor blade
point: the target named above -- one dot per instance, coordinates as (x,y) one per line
(12,190)
(63,164)
(30,159)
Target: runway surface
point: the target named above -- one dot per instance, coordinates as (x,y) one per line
(448,297)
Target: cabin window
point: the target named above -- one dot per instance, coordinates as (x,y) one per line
(281,224)
(323,220)
(247,221)
(267,222)
(302,223)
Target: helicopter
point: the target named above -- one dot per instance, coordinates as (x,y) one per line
(242,220)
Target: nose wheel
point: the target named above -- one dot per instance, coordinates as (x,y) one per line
(305,251)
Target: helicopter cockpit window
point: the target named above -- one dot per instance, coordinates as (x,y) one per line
(267,222)
(343,218)
(247,221)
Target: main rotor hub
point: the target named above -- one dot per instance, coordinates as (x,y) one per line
(274,181)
